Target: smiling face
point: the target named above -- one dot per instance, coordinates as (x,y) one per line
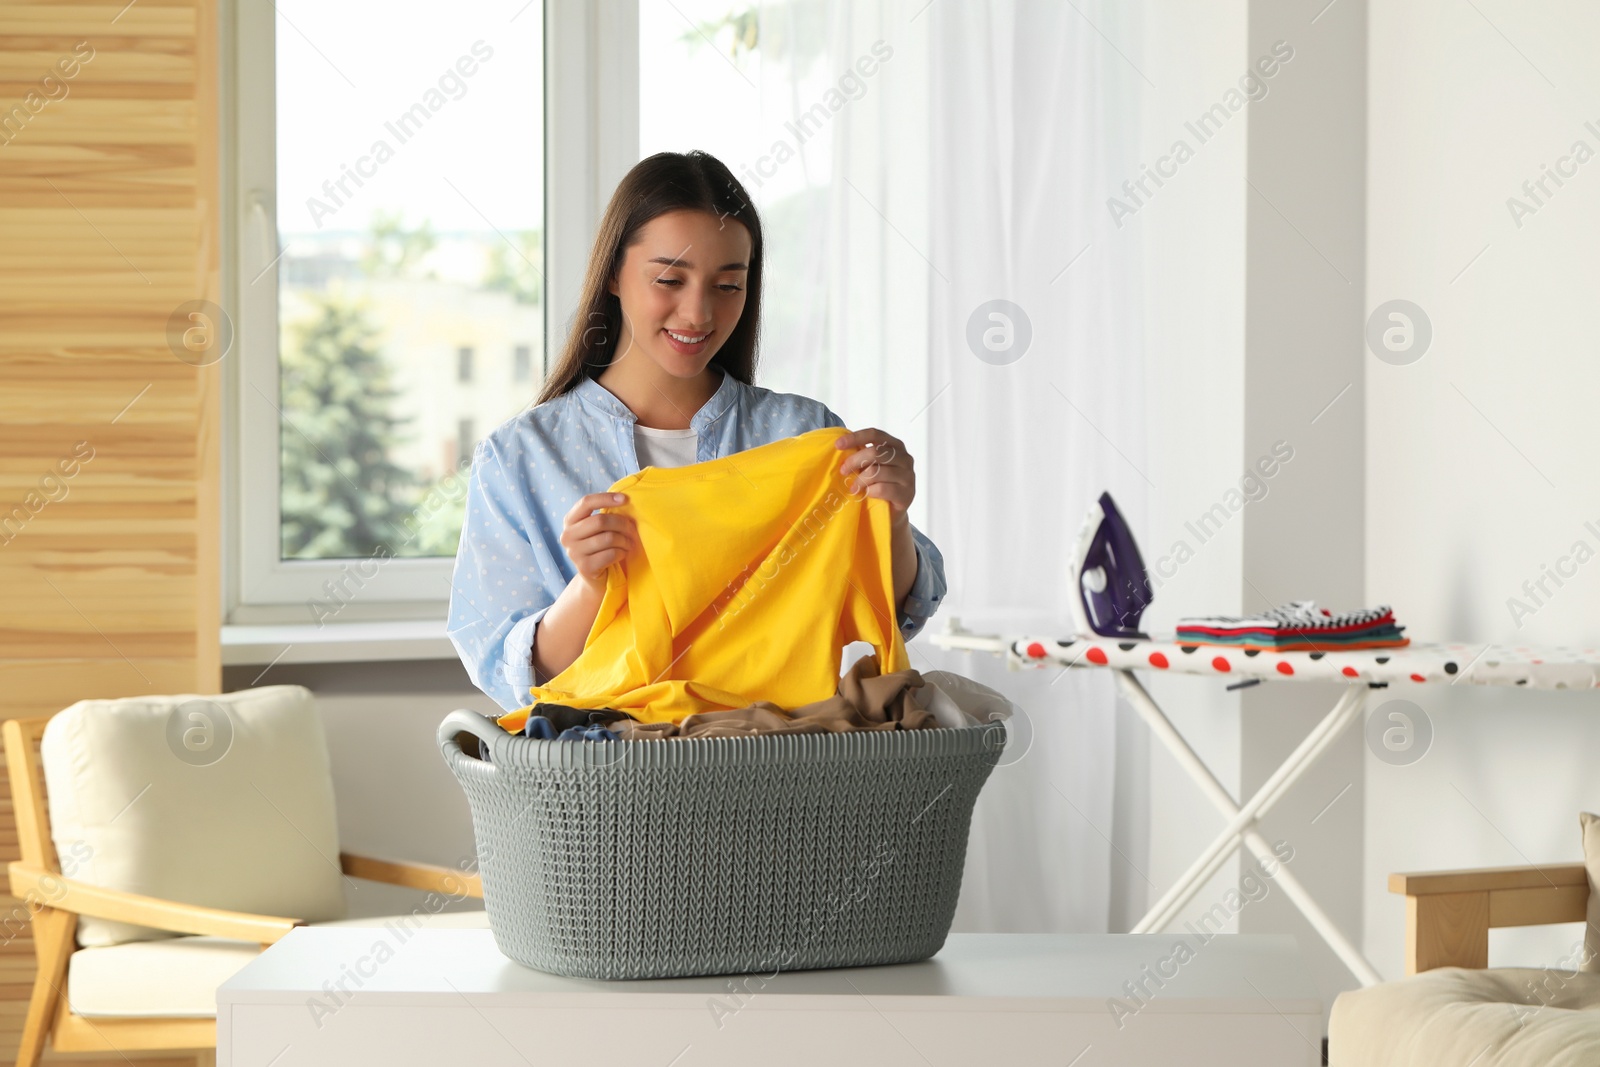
(682,289)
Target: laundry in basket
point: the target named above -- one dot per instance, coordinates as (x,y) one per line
(866,700)
(727,855)
(688,855)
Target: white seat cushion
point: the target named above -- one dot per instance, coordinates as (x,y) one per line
(178,976)
(1452,1017)
(225,801)
(175,976)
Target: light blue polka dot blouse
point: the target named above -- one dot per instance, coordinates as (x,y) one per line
(532,469)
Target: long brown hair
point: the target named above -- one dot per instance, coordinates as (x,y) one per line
(666,181)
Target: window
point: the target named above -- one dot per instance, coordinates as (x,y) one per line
(403,212)
(820,112)
(387,183)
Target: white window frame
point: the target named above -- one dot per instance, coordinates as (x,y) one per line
(591,139)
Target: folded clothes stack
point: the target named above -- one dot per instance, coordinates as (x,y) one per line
(866,700)
(1297,626)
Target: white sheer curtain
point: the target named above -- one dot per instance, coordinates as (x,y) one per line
(1029,111)
(970,165)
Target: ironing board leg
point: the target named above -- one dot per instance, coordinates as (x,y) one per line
(1344,712)
(1294,765)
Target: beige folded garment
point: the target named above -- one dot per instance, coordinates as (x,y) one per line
(866,700)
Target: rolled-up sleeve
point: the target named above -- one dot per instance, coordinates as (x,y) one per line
(922,600)
(928,588)
(501,585)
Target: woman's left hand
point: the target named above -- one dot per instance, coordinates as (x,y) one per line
(882,468)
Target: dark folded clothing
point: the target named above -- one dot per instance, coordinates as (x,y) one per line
(1296,616)
(1188,629)
(1304,639)
(540,728)
(557,722)
(1297,626)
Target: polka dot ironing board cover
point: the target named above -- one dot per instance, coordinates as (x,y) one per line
(1536,668)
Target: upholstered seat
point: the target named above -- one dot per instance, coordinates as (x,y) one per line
(1456,1011)
(177,977)
(1503,1017)
(164,840)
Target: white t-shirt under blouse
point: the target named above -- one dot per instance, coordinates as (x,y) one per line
(665,448)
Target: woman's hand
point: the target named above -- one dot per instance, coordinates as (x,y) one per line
(883,468)
(594,542)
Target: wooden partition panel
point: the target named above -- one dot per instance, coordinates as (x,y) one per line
(109,438)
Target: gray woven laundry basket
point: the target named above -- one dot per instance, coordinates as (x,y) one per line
(735,855)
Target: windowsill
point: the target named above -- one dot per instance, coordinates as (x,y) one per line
(342,642)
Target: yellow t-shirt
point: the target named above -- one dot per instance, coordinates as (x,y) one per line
(753,572)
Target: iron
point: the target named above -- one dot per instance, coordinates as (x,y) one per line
(1111,587)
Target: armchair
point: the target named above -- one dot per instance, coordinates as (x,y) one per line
(1453,1009)
(180,972)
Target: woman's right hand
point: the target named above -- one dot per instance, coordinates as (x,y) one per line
(594,542)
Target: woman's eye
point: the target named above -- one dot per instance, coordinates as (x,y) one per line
(726,287)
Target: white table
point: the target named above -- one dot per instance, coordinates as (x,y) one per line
(447,996)
(1359,669)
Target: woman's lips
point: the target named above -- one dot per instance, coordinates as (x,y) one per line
(687,348)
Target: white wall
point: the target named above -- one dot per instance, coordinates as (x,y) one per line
(1250,332)
(1480,454)
(1192,238)
(1303,372)
(1232,368)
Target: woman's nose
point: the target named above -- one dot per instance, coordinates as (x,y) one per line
(695,308)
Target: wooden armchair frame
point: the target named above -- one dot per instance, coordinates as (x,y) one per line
(1449,913)
(55,902)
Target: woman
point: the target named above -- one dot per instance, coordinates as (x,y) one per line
(658,369)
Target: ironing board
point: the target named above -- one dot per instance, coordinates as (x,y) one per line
(1361,669)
